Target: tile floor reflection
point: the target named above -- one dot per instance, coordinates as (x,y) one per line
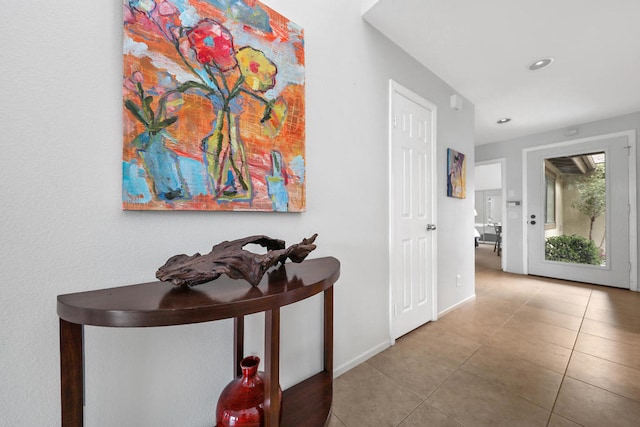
(527,351)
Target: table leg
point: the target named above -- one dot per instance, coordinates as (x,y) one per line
(71,374)
(328,330)
(238,344)
(272,403)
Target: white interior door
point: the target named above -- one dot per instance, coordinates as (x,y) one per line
(553,193)
(412,210)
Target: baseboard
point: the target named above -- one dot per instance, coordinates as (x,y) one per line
(360,359)
(453,307)
(385,345)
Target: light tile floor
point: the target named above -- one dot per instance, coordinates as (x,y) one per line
(527,351)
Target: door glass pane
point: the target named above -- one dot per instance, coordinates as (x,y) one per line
(575,208)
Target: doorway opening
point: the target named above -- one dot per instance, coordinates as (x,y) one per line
(490,210)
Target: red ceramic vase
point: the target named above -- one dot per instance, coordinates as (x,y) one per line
(241,403)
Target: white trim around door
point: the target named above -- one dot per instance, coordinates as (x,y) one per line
(632,197)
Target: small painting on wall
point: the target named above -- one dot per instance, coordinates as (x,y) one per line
(213,107)
(456,174)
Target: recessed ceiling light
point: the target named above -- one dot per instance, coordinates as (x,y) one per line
(540,64)
(503,120)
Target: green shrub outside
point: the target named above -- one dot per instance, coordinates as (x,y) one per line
(575,249)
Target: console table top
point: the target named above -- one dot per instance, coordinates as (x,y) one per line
(163,304)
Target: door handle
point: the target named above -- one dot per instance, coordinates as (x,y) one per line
(431,227)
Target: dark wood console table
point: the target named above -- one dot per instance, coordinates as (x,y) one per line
(161,304)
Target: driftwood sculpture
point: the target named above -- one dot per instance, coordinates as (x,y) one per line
(231,259)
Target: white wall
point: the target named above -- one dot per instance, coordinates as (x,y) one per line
(62,229)
(488,177)
(368,4)
(512,151)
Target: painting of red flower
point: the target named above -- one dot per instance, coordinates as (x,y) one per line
(213,107)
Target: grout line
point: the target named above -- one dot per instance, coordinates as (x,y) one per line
(592,297)
(536,290)
(573,349)
(515,312)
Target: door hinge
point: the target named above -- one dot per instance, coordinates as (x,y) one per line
(395,121)
(395,310)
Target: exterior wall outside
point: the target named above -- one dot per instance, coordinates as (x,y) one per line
(568,220)
(578,223)
(557,229)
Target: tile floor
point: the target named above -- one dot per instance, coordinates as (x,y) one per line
(527,351)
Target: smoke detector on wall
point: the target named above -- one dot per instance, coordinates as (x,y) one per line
(456,102)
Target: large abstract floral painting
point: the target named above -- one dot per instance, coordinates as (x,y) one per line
(213,107)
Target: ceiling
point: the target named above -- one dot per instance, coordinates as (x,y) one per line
(483,49)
